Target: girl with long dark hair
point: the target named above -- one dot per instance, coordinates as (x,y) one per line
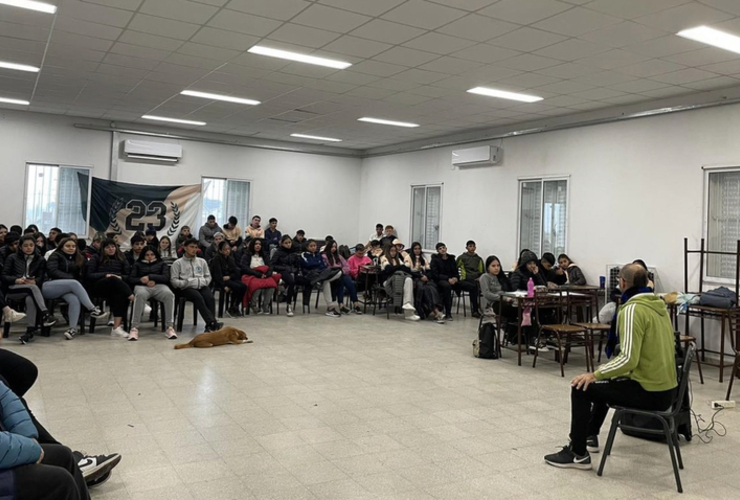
(427,298)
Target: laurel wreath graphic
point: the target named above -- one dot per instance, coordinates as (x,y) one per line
(113,214)
(175,220)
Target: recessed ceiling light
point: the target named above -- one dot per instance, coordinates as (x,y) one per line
(19,67)
(316,138)
(502,94)
(14,101)
(28,4)
(387,122)
(713,37)
(294,56)
(219,97)
(173,120)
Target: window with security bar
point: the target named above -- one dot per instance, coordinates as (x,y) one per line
(426,215)
(723,222)
(543,213)
(57,196)
(224,198)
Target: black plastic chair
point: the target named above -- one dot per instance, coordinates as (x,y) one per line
(180,303)
(667,419)
(18,299)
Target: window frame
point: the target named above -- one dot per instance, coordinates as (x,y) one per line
(707,171)
(440,185)
(542,179)
(249,203)
(89,168)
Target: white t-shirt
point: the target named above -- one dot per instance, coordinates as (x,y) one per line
(256,262)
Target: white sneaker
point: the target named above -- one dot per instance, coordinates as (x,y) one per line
(147,309)
(119,333)
(110,322)
(408,306)
(413,317)
(133,334)
(290,311)
(171,334)
(14,316)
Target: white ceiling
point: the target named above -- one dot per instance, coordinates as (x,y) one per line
(412,60)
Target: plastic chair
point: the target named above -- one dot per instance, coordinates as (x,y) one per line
(667,418)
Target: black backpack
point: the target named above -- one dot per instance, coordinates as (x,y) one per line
(485,345)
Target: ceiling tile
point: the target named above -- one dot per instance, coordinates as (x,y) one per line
(131,62)
(386,31)
(613,59)
(74,40)
(650,67)
(565,87)
(392,84)
(665,46)
(420,76)
(450,65)
(163,27)
(684,16)
(568,70)
(528,62)
(637,86)
(371,92)
(439,43)
(577,21)
(598,94)
(406,98)
(274,9)
(358,47)
(529,80)
(180,10)
(303,35)
(244,23)
(701,57)
(667,92)
(406,57)
(713,83)
(731,6)
(373,8)
(224,39)
(120,4)
(72,25)
(95,13)
(724,68)
(328,18)
(352,77)
(138,51)
(604,78)
(485,53)
(478,28)
(687,75)
(572,49)
(527,12)
(220,54)
(630,9)
(377,68)
(423,14)
(622,34)
(527,39)
(146,40)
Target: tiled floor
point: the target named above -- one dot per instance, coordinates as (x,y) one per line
(349,408)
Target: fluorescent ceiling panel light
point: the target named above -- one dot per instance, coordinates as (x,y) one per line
(711,36)
(14,101)
(28,4)
(316,138)
(173,120)
(19,67)
(502,94)
(387,122)
(219,97)
(294,56)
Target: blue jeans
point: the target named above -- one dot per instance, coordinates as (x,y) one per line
(348,284)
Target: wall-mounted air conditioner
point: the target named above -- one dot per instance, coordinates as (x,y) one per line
(476,157)
(152,151)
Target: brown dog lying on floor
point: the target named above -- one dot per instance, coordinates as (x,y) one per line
(226,335)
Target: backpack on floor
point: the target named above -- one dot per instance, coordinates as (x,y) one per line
(485,345)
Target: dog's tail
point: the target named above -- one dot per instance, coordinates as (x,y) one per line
(183,346)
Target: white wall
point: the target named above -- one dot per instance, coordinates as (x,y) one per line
(316,193)
(636,189)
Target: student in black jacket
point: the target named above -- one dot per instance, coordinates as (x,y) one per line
(446,274)
(527,269)
(227,275)
(286,261)
(25,271)
(137,245)
(150,279)
(64,271)
(10,247)
(106,274)
(395,275)
(552,272)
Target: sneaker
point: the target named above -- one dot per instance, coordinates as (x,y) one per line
(171,334)
(49,320)
(413,317)
(408,306)
(97,313)
(133,334)
(70,334)
(26,338)
(345,310)
(592,444)
(228,313)
(147,309)
(566,459)
(94,467)
(358,311)
(448,317)
(440,318)
(12,316)
(99,481)
(110,322)
(266,312)
(332,313)
(119,333)
(290,311)
(540,346)
(212,327)
(254,310)
(476,315)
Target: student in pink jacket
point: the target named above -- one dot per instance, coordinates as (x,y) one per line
(334,260)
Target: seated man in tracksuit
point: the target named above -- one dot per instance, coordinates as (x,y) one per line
(642,376)
(29,470)
(191,278)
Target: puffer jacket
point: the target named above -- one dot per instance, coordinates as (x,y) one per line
(224,266)
(575,275)
(158,272)
(444,269)
(520,277)
(18,266)
(61,266)
(97,269)
(17,439)
(285,261)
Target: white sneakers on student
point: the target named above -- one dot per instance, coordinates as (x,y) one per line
(12,316)
(119,333)
(408,306)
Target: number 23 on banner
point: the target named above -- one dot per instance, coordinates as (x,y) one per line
(140,210)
